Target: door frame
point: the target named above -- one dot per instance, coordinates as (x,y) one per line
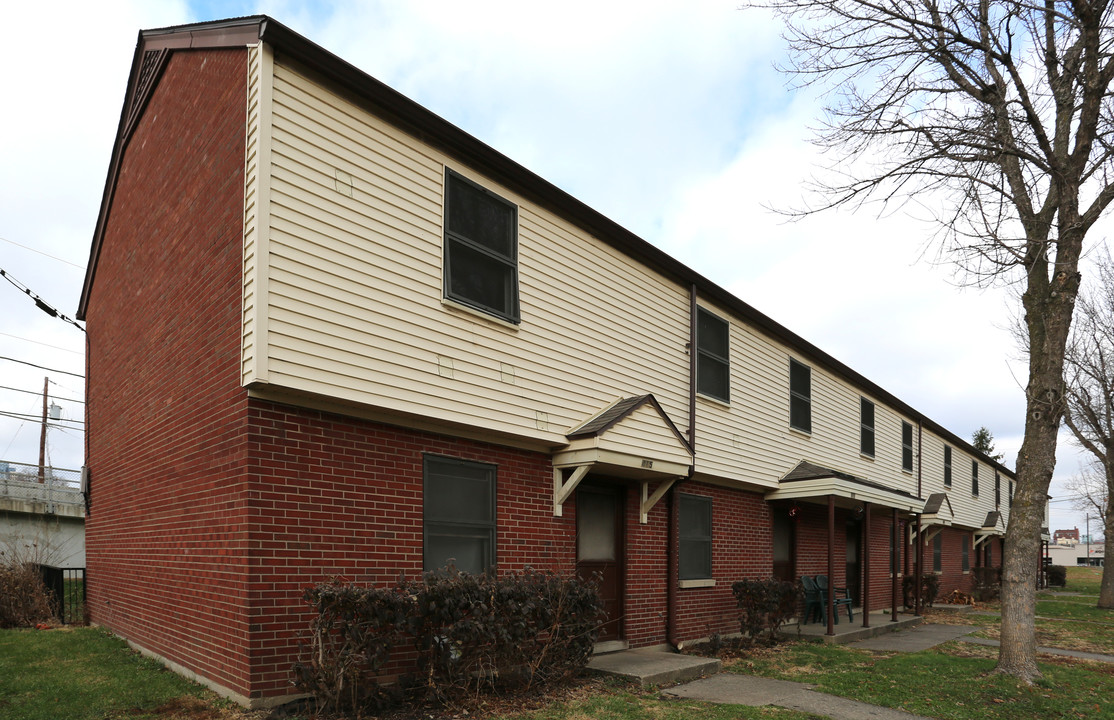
(617,491)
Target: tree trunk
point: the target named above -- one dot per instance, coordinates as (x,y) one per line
(1106,590)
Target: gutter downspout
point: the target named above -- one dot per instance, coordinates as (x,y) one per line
(672,534)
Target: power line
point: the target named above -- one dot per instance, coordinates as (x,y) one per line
(24,362)
(39,302)
(25,247)
(53,347)
(39,394)
(50,423)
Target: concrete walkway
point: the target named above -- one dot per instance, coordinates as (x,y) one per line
(753,691)
(757,691)
(1078,654)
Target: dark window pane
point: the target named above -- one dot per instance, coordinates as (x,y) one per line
(480,279)
(713,377)
(458,514)
(800,414)
(974,477)
(481,217)
(937,552)
(947,466)
(866,435)
(906,446)
(711,333)
(800,396)
(695,531)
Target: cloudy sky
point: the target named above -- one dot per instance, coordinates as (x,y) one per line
(668,117)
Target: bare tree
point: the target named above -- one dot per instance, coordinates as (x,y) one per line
(998,116)
(1089,372)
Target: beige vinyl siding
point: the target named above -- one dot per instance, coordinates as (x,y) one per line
(252,308)
(356,290)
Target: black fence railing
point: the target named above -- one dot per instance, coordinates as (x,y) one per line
(66,587)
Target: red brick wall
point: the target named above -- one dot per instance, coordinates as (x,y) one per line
(742,549)
(338,497)
(166,444)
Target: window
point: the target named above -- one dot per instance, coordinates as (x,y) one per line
(866,427)
(800,396)
(695,535)
(975,477)
(966,553)
(938,553)
(906,447)
(713,358)
(997,489)
(1011,494)
(459,509)
(481,249)
(947,466)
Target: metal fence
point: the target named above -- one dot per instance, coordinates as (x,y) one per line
(66,587)
(56,486)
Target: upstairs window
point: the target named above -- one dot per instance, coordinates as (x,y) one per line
(459,514)
(947,466)
(866,427)
(694,557)
(713,356)
(906,446)
(481,249)
(975,477)
(1011,494)
(997,489)
(800,396)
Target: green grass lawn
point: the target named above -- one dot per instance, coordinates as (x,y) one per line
(1084,580)
(85,673)
(625,705)
(952,681)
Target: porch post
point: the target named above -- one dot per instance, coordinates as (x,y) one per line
(918,568)
(894,558)
(866,566)
(831,562)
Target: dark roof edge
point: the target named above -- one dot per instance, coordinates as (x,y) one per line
(437,131)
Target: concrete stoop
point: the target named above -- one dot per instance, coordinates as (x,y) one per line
(654,667)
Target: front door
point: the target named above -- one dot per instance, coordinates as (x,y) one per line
(599,549)
(854,564)
(785,546)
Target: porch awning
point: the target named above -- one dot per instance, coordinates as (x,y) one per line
(992,526)
(938,511)
(812,482)
(630,438)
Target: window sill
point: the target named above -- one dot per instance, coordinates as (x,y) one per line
(450,304)
(726,404)
(698,583)
(864,456)
(807,434)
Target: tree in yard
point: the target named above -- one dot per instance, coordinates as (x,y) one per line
(999,117)
(983,440)
(1089,372)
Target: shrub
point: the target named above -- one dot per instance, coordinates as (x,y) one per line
(765,605)
(986,583)
(461,633)
(24,600)
(930,587)
(1056,575)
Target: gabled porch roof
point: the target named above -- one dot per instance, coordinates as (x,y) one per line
(630,438)
(810,482)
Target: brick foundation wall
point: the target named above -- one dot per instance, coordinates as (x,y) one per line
(166,444)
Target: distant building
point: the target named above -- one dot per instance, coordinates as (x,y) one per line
(1066,537)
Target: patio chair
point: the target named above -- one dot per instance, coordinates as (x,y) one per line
(840,596)
(813,601)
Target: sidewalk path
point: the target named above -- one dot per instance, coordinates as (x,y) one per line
(729,688)
(1046,651)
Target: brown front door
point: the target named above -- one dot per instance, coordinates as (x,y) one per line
(599,549)
(854,563)
(785,546)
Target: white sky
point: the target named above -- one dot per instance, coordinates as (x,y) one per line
(668,117)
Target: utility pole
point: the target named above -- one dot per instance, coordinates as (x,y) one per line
(42,435)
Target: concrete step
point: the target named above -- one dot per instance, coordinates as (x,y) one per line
(654,667)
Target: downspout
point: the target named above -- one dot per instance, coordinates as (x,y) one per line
(672,580)
(919,567)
